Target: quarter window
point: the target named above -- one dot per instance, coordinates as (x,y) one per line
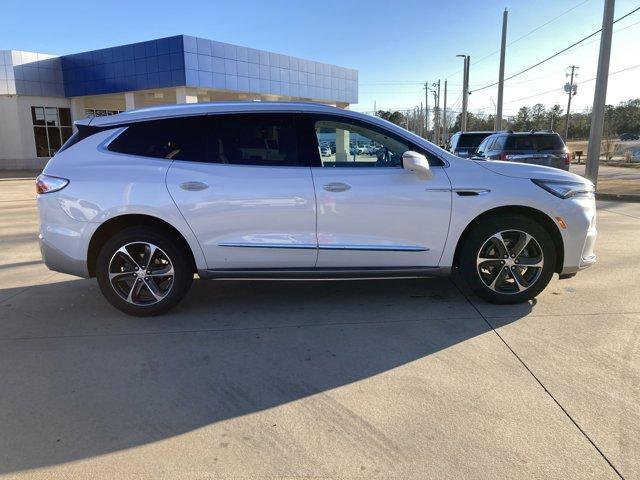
(51,128)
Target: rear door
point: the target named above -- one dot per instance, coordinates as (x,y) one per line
(246,191)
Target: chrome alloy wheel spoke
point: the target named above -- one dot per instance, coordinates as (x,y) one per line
(141,273)
(510,261)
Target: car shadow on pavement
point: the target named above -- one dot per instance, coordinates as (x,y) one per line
(80,379)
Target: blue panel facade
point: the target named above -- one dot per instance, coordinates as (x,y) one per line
(181,60)
(139,66)
(211,64)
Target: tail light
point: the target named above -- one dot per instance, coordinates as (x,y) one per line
(567,158)
(48,183)
(504,157)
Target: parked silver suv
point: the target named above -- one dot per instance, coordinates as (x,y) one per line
(145,199)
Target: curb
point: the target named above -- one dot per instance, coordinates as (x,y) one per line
(618,197)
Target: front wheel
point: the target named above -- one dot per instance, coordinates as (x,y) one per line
(508,259)
(143,271)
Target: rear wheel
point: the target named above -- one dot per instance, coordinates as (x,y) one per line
(143,272)
(508,259)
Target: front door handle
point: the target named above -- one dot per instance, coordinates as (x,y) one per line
(336,187)
(193,186)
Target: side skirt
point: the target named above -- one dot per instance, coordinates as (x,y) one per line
(324,273)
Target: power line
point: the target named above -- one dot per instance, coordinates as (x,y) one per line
(582,82)
(525,35)
(555,54)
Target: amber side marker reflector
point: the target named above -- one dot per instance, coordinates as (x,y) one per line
(561,222)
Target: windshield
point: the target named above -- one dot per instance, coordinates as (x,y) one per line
(535,142)
(471,140)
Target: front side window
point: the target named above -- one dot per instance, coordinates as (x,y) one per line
(242,139)
(499,145)
(51,128)
(346,144)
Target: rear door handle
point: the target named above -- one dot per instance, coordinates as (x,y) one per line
(193,186)
(336,187)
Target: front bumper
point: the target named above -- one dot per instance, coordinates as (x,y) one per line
(580,235)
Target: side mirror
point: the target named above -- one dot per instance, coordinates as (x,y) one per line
(416,163)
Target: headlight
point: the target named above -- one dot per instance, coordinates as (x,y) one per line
(565,188)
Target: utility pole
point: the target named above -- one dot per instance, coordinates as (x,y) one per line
(444,115)
(465,92)
(426,109)
(572,91)
(435,116)
(503,48)
(439,132)
(600,95)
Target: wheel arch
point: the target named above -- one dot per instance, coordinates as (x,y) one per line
(529,212)
(120,222)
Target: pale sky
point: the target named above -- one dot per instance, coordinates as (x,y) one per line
(395,45)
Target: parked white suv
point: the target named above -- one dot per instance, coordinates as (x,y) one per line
(144,199)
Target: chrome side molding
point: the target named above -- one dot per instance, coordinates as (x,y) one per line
(308,246)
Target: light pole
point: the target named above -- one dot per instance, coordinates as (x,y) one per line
(465,92)
(496,126)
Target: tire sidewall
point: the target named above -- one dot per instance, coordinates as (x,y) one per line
(183,273)
(481,233)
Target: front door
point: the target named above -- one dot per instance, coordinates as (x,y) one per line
(372,212)
(250,200)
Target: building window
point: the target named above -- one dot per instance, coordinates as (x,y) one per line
(92,112)
(51,128)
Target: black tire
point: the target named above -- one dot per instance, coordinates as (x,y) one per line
(477,239)
(172,289)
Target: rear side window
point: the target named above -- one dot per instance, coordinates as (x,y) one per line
(242,139)
(535,142)
(471,140)
(252,139)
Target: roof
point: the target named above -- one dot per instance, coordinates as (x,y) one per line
(477,132)
(181,110)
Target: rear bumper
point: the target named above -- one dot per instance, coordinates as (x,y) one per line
(64,241)
(60,261)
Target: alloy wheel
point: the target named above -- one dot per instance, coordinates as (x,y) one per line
(510,261)
(141,273)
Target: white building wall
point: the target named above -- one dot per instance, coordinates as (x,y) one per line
(17,142)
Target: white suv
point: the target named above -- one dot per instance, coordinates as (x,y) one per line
(144,199)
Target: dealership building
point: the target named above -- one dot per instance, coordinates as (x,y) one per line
(41,95)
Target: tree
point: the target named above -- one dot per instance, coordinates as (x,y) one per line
(392,116)
(554,115)
(522,121)
(474,122)
(539,117)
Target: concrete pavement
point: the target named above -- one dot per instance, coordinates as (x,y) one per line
(365,379)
